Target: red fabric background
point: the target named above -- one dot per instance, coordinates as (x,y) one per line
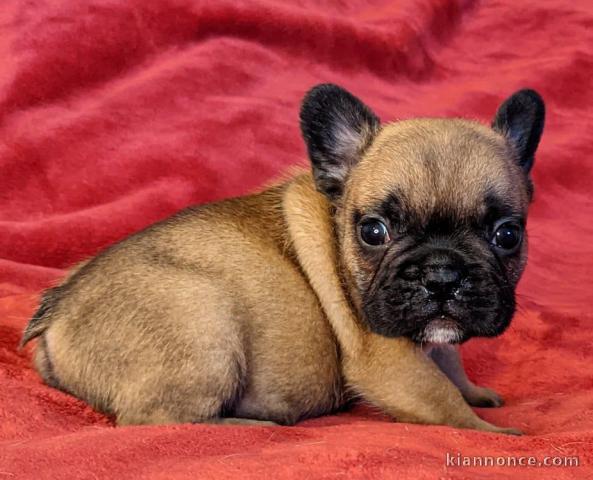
(114,114)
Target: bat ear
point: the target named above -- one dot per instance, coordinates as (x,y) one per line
(337,128)
(520,119)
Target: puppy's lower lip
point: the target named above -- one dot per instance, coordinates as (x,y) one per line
(442,330)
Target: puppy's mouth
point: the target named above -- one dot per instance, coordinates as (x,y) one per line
(438,297)
(442,330)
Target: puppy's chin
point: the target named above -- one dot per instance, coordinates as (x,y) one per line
(441,331)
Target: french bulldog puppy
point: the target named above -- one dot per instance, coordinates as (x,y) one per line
(287,304)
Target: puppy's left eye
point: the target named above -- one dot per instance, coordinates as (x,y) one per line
(507,236)
(374,232)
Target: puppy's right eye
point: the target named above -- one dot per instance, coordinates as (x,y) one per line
(374,232)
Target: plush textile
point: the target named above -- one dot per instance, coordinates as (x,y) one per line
(115,114)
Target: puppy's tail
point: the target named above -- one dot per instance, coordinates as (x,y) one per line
(41,320)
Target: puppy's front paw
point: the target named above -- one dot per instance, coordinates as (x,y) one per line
(483,397)
(510,431)
(488,427)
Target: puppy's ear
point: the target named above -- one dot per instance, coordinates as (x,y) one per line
(521,120)
(337,128)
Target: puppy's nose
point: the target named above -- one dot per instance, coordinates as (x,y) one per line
(441,282)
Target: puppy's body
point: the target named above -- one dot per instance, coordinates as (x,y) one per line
(202,315)
(263,307)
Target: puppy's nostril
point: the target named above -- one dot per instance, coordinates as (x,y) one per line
(442,282)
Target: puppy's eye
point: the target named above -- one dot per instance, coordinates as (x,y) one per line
(507,236)
(374,232)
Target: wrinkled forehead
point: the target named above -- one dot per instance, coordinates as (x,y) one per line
(454,166)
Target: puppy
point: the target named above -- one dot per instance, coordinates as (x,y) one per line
(287,304)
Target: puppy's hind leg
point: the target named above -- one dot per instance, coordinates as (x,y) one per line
(182,395)
(448,359)
(198,390)
(188,366)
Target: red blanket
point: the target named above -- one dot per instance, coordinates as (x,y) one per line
(115,114)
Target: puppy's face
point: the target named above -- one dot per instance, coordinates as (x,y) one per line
(430,214)
(432,225)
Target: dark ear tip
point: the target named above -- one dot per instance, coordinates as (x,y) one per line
(522,102)
(529,92)
(314,98)
(322,102)
(520,119)
(321,91)
(324,88)
(529,98)
(322,94)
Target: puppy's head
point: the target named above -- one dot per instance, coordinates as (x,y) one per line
(429,214)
